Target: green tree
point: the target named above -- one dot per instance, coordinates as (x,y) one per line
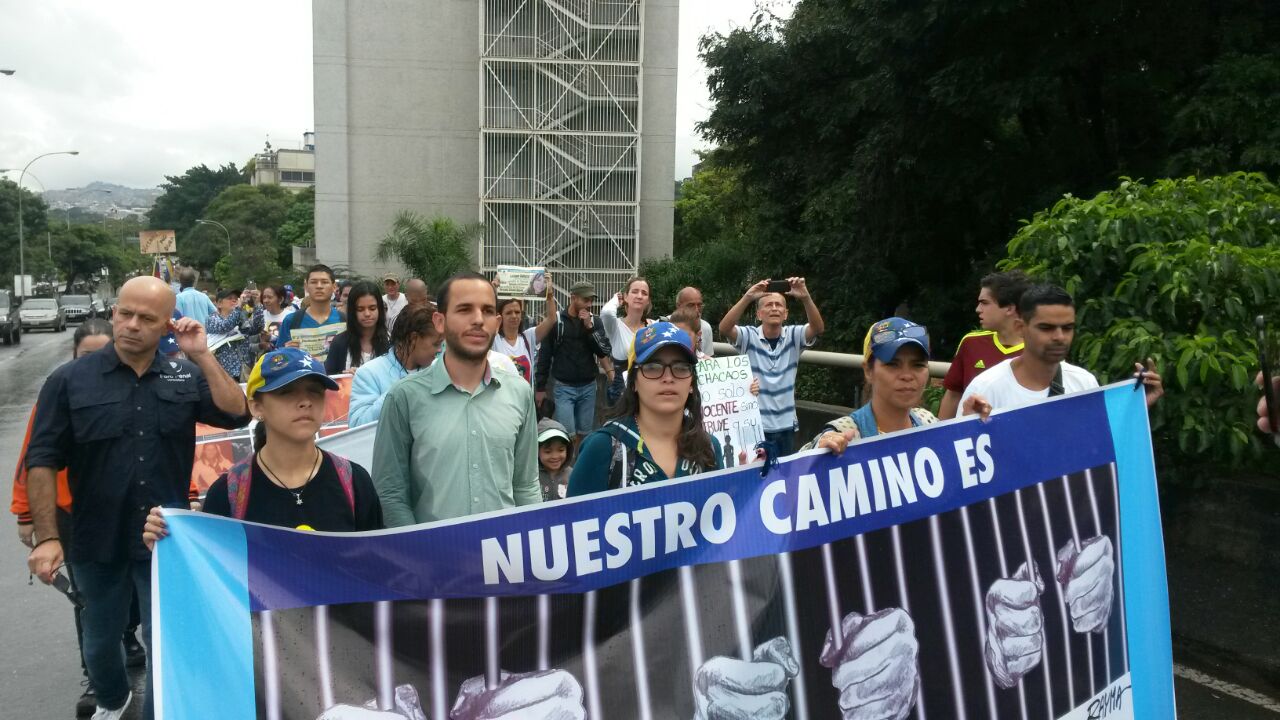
(713,246)
(253,215)
(82,252)
(34,217)
(431,249)
(299,228)
(1175,270)
(901,142)
(185,200)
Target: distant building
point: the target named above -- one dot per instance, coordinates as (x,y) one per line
(552,122)
(286,167)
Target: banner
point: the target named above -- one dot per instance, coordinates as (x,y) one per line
(964,569)
(526,283)
(217,449)
(315,341)
(730,411)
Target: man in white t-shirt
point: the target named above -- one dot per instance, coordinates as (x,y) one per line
(394,299)
(1048,316)
(773,349)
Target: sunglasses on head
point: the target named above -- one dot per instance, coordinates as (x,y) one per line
(914,332)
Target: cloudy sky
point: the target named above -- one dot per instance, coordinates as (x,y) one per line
(148,88)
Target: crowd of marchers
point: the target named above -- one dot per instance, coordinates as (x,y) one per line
(478,407)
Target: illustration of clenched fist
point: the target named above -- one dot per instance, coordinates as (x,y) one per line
(874,664)
(544,695)
(1015,626)
(729,689)
(406,706)
(1086,576)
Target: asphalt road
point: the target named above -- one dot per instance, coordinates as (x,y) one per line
(40,675)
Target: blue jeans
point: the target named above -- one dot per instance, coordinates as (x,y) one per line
(618,386)
(784,441)
(576,407)
(107,589)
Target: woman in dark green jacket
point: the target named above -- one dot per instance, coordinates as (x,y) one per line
(656,432)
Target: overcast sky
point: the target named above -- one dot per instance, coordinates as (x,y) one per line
(148,88)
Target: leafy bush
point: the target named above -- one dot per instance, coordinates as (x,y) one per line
(1175,270)
(432,249)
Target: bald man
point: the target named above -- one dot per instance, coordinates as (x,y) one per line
(417,293)
(122,421)
(690,300)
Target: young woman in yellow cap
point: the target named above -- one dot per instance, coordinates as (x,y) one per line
(288,481)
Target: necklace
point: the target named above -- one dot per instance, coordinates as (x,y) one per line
(274,478)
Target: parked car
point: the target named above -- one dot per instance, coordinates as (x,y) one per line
(99,308)
(43,313)
(10,319)
(77,308)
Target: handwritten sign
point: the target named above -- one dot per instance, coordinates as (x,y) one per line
(730,411)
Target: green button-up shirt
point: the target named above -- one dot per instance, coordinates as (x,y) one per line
(442,452)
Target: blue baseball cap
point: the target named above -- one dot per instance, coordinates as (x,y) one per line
(657,336)
(281,367)
(888,336)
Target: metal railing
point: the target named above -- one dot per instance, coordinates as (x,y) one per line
(847,361)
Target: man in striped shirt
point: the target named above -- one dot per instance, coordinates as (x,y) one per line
(774,352)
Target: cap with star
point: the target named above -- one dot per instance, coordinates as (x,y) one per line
(653,338)
(282,367)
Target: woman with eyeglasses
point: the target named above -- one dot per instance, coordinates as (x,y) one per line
(896,353)
(656,432)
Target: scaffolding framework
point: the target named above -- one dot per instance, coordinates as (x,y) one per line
(560,137)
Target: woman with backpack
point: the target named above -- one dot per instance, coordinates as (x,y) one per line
(656,433)
(288,481)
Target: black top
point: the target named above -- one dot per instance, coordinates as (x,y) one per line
(569,351)
(324,504)
(127,442)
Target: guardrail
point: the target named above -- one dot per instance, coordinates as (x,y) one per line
(846,361)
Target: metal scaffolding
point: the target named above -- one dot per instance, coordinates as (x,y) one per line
(560,137)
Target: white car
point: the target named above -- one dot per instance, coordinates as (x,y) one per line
(42,313)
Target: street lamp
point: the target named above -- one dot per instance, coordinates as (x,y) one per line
(224,231)
(22,258)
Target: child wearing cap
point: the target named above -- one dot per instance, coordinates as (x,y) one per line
(553,459)
(288,481)
(656,432)
(897,369)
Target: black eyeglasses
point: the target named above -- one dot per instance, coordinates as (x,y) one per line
(655,370)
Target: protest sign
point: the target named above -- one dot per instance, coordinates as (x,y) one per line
(526,283)
(315,341)
(217,449)
(730,411)
(963,569)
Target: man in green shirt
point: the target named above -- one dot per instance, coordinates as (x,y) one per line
(460,437)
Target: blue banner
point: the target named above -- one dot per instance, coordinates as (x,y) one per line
(964,568)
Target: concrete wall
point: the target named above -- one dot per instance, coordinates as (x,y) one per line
(397,118)
(396,98)
(658,126)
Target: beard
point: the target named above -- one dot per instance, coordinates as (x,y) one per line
(453,341)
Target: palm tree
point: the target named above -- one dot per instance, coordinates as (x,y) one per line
(431,249)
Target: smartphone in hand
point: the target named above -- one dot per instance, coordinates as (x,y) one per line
(778,286)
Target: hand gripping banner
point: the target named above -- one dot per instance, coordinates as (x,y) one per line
(1012,568)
